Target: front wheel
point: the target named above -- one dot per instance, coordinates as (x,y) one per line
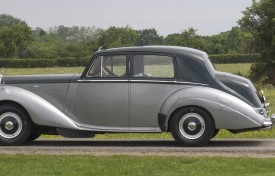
(15,125)
(192,126)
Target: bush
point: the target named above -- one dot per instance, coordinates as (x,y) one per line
(233,58)
(32,63)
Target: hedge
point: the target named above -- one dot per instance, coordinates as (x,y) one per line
(32,63)
(76,62)
(233,58)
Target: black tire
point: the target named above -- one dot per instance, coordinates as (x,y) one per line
(15,125)
(216,132)
(34,135)
(192,126)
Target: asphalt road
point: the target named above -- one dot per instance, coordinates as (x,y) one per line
(230,148)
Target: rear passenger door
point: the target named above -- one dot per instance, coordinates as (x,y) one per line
(152,81)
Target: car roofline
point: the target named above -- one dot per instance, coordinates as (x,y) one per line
(157,48)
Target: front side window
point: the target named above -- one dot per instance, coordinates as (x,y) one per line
(108,66)
(155,66)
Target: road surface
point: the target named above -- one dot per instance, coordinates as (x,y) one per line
(217,147)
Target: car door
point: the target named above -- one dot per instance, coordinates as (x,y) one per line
(152,81)
(103,98)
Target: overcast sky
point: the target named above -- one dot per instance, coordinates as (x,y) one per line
(166,16)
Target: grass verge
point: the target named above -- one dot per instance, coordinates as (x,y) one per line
(133,165)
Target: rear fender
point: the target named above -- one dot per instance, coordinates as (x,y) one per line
(41,111)
(228,112)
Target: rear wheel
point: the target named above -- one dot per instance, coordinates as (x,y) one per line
(192,126)
(15,125)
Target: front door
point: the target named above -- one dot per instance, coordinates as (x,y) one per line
(103,96)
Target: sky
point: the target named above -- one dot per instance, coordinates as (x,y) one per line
(209,17)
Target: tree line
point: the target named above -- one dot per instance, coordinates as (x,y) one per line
(18,40)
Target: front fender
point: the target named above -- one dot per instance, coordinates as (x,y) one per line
(41,111)
(228,112)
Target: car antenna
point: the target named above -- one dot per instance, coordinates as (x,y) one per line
(99,49)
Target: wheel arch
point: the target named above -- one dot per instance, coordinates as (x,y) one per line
(187,106)
(43,113)
(190,96)
(6,102)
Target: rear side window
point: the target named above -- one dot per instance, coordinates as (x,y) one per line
(155,66)
(108,66)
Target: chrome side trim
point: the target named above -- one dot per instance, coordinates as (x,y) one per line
(144,81)
(100,80)
(119,129)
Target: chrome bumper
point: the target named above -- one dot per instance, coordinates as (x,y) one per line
(270,122)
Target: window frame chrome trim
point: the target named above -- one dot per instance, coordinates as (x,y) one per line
(101,62)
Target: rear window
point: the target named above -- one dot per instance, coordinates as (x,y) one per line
(155,66)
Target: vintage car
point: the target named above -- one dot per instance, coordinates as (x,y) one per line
(148,89)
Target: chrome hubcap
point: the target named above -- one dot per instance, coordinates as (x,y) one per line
(192,125)
(11,125)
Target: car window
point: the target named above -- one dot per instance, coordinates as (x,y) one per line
(108,66)
(156,66)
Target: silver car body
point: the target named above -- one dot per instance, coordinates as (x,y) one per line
(131,104)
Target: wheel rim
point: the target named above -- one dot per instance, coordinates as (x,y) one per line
(192,126)
(10,125)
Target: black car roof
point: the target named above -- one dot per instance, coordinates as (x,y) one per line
(158,49)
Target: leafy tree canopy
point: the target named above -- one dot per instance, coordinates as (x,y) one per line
(148,37)
(259,20)
(118,37)
(15,34)
(8,21)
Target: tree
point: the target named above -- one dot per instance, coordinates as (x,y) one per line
(14,39)
(217,44)
(190,38)
(8,21)
(148,37)
(38,32)
(234,41)
(237,40)
(15,34)
(259,20)
(47,46)
(117,37)
(171,39)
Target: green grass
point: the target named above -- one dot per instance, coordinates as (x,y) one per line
(33,71)
(32,165)
(244,69)
(232,68)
